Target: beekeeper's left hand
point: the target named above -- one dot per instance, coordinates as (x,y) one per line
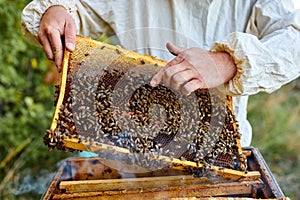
(195,68)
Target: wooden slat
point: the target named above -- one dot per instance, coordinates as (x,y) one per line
(272,189)
(247,153)
(128,183)
(156,188)
(62,86)
(177,163)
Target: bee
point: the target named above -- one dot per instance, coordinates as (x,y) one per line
(118,51)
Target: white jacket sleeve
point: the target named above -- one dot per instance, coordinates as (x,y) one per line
(33,12)
(267,55)
(80,11)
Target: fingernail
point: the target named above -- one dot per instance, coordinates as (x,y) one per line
(153,83)
(70,46)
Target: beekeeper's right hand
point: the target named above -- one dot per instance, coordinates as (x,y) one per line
(57,29)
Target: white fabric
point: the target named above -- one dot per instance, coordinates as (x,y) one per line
(262,35)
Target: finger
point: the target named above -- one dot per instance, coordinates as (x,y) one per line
(70,35)
(43,39)
(158,77)
(175,50)
(192,85)
(178,59)
(57,47)
(171,71)
(181,78)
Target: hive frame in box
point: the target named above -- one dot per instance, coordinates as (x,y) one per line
(84,178)
(76,144)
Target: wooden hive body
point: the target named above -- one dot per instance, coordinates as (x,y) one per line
(89,178)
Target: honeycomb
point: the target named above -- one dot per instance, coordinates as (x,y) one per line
(104,104)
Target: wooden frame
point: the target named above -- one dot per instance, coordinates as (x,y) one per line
(75,143)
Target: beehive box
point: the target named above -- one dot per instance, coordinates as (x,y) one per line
(89,178)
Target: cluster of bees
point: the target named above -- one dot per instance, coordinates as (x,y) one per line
(120,108)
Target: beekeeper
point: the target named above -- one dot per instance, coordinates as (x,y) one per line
(247,46)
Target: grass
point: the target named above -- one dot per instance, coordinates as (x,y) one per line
(276,132)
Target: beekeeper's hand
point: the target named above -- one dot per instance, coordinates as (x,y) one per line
(57,29)
(195,68)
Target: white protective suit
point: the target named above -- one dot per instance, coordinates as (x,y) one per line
(263,36)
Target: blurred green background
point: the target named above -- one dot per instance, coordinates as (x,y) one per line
(26,106)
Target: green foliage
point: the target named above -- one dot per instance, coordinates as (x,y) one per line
(26,102)
(275,120)
(24,110)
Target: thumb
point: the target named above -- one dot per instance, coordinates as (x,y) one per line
(70,35)
(175,50)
